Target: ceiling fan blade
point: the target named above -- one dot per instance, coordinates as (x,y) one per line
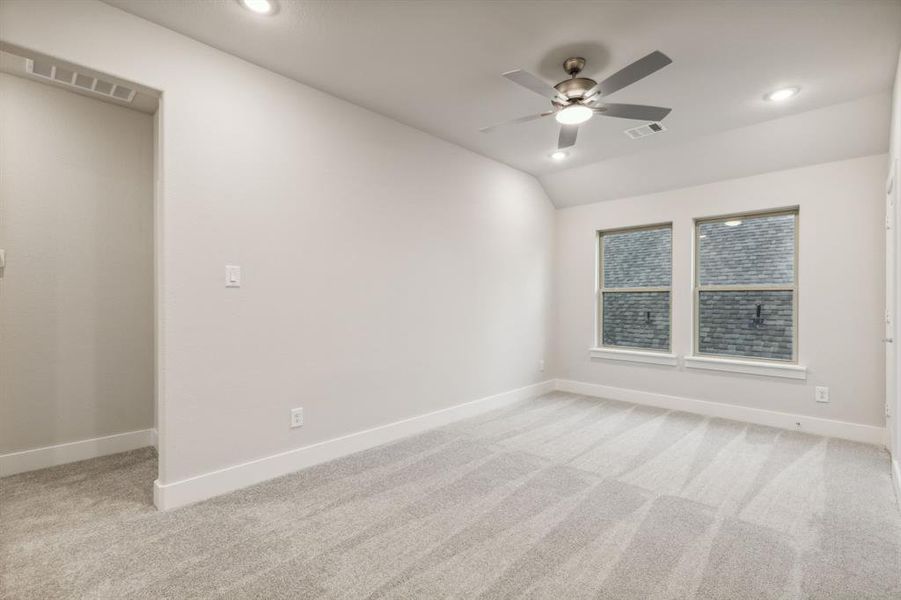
(640,69)
(525,119)
(533,83)
(639,112)
(567,137)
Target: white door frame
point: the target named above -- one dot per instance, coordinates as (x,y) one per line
(892,311)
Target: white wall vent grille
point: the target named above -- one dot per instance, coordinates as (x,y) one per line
(645,130)
(47,70)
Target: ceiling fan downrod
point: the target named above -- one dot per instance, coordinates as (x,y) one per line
(574,65)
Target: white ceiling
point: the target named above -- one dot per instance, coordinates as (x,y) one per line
(841,131)
(436,65)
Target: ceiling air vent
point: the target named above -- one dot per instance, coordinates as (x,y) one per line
(88,83)
(645,130)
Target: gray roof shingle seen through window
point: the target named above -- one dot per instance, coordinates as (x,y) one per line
(741,252)
(637,320)
(641,258)
(760,250)
(729,325)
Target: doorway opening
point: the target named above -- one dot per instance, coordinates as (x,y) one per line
(78,335)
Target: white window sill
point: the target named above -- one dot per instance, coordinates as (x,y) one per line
(746,367)
(637,356)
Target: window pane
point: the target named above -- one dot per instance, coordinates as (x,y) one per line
(638,258)
(747,250)
(637,320)
(730,324)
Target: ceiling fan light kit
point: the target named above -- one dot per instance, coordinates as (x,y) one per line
(574,114)
(260,7)
(575,100)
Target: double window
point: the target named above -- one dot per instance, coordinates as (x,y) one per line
(745,287)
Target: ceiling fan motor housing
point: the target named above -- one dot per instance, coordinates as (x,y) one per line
(574,89)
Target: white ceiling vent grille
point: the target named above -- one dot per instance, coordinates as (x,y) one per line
(47,70)
(645,130)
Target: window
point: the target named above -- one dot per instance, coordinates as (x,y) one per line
(746,300)
(634,281)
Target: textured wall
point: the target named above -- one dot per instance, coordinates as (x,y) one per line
(841,260)
(76,304)
(378,262)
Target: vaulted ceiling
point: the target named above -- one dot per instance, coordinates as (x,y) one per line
(436,65)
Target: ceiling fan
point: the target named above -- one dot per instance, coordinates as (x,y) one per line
(577,99)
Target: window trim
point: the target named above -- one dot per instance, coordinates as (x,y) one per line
(697,288)
(768,368)
(600,350)
(620,353)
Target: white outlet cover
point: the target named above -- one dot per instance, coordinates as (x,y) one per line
(296,417)
(822,393)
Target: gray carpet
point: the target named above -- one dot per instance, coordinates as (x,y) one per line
(557,497)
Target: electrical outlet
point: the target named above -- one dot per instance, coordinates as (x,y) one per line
(821,394)
(296,417)
(541,365)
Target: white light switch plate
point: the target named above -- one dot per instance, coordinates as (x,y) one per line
(232,276)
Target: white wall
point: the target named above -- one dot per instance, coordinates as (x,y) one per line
(76,318)
(840,289)
(895,134)
(386,273)
(895,157)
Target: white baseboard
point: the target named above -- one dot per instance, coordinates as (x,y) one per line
(194,489)
(841,429)
(60,454)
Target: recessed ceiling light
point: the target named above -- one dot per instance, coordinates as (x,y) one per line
(574,114)
(783,94)
(558,155)
(735,223)
(260,7)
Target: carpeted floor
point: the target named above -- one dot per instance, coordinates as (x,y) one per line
(558,497)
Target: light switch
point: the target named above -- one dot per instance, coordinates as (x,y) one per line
(232,276)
